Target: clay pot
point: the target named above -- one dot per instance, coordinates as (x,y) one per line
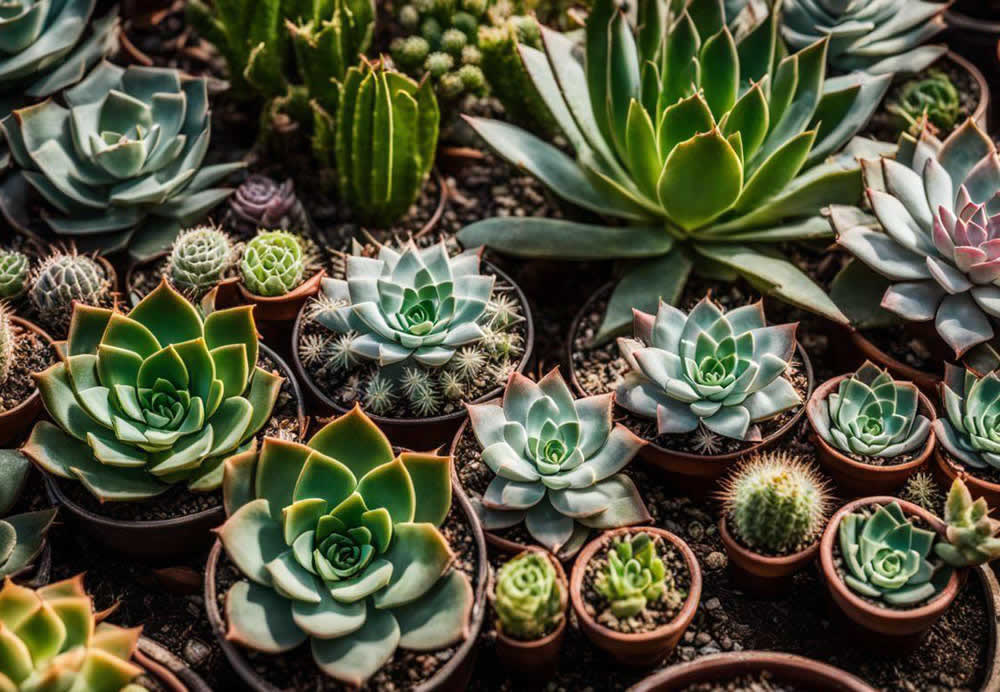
(891,627)
(982,112)
(272,314)
(855,478)
(720,669)
(646,648)
(15,422)
(170,672)
(763,575)
(948,470)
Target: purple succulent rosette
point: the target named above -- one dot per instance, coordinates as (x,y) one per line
(263,203)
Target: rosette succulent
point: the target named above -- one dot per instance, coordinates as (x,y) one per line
(260,202)
(200,258)
(934,237)
(634,576)
(683,93)
(721,370)
(885,557)
(121,165)
(871,415)
(22,536)
(62,279)
(557,463)
(158,396)
(339,542)
(529,598)
(970,429)
(14,270)
(272,263)
(971,534)
(933,98)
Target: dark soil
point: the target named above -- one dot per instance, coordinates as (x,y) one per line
(764,681)
(899,343)
(32,354)
(988,474)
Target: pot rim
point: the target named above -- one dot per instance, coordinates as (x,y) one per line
(234,654)
(748,555)
(303,291)
(979,114)
(560,577)
(684,615)
(35,395)
(948,464)
(321,396)
(922,378)
(960,20)
(167,668)
(933,608)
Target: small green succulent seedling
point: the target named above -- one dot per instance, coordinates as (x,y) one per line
(529,598)
(922,490)
(968,431)
(934,99)
(634,576)
(159,396)
(52,640)
(15,268)
(776,502)
(63,278)
(200,258)
(720,370)
(871,415)
(273,263)
(261,202)
(971,535)
(22,536)
(886,557)
(339,542)
(558,463)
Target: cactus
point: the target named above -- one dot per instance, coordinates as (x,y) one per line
(14,270)
(63,277)
(6,343)
(776,502)
(200,258)
(273,263)
(529,598)
(508,80)
(634,576)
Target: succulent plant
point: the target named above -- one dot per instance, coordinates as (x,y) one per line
(776,502)
(152,398)
(63,278)
(922,490)
(272,263)
(22,536)
(932,99)
(886,557)
(528,596)
(723,371)
(968,430)
(557,463)
(260,202)
(15,268)
(875,36)
(508,80)
(634,576)
(121,166)
(871,415)
(682,94)
(971,535)
(200,258)
(52,640)
(340,544)
(932,237)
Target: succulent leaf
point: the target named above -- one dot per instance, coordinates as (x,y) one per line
(273,263)
(528,596)
(971,534)
(200,258)
(634,575)
(15,268)
(260,202)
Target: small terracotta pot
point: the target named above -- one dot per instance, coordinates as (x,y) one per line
(15,422)
(948,470)
(170,672)
(855,478)
(982,112)
(537,659)
(927,382)
(226,296)
(646,648)
(763,575)
(802,672)
(893,628)
(272,314)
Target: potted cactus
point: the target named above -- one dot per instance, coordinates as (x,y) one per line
(634,592)
(63,278)
(24,348)
(273,276)
(530,595)
(22,535)
(775,507)
(344,545)
(872,432)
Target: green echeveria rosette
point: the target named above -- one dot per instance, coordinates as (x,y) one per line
(272,263)
(418,303)
(871,415)
(121,165)
(152,398)
(722,370)
(557,462)
(529,598)
(339,540)
(22,536)
(14,270)
(970,429)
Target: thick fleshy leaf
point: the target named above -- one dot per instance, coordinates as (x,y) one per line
(261,619)
(356,658)
(440,618)
(419,555)
(252,538)
(688,203)
(355,441)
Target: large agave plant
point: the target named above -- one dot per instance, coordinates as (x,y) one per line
(22,536)
(720,370)
(706,142)
(155,397)
(340,545)
(557,463)
(969,430)
(121,166)
(934,237)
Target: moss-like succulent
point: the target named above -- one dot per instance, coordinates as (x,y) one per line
(528,597)
(22,536)
(260,202)
(15,268)
(272,263)
(776,503)
(971,534)
(634,576)
(339,542)
(934,99)
(159,396)
(200,258)
(63,278)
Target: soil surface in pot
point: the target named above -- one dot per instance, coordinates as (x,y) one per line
(882,461)
(296,670)
(32,353)
(897,342)
(988,474)
(764,681)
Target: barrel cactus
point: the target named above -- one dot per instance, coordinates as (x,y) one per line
(968,431)
(261,202)
(15,267)
(776,503)
(720,370)
(339,542)
(634,576)
(933,98)
(200,258)
(63,278)
(557,463)
(22,536)
(871,415)
(971,534)
(159,396)
(528,597)
(272,263)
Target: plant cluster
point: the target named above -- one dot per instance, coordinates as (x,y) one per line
(261,202)
(15,268)
(933,99)
(529,598)
(968,429)
(273,263)
(634,576)
(62,279)
(200,258)
(22,536)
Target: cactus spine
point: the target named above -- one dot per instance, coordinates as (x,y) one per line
(62,278)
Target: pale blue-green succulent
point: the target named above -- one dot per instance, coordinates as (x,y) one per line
(22,536)
(970,428)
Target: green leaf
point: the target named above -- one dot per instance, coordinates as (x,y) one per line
(252,538)
(389,486)
(419,555)
(681,121)
(233,326)
(720,61)
(86,329)
(640,142)
(687,201)
(14,470)
(857,290)
(431,476)
(439,619)
(537,237)
(750,118)
(261,619)
(777,171)
(356,658)
(623,78)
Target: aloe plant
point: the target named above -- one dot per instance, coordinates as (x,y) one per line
(339,542)
(971,534)
(22,536)
(683,94)
(159,396)
(968,429)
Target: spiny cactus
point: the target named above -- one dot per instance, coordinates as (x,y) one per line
(200,258)
(529,598)
(14,270)
(63,277)
(776,502)
(634,576)
(6,343)
(273,263)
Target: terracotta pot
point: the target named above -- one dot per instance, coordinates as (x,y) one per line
(420,434)
(720,669)
(893,628)
(763,575)
(538,659)
(453,676)
(855,478)
(226,296)
(15,422)
(164,538)
(272,314)
(646,648)
(947,470)
(165,668)
(982,112)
